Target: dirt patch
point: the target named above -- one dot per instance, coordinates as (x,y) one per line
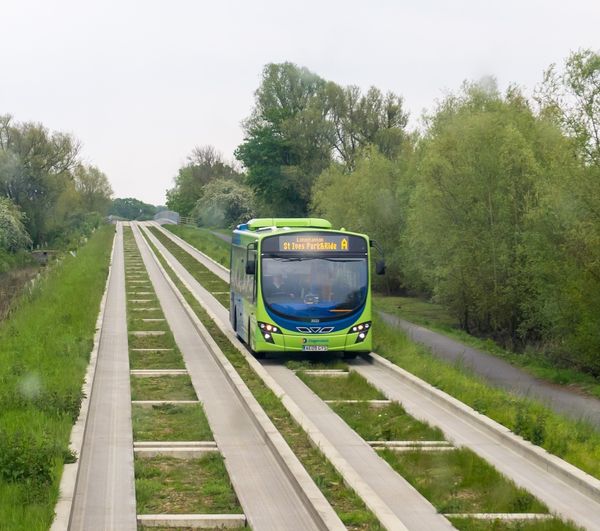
(12,284)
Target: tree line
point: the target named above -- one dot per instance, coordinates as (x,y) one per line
(491,207)
(48,196)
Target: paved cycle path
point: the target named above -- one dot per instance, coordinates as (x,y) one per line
(501,373)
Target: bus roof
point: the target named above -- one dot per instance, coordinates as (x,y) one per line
(261,223)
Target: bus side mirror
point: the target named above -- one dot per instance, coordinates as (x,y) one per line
(380,267)
(250,267)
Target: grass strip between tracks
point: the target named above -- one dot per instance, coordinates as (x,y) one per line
(167,485)
(347,504)
(577,442)
(45,346)
(215,247)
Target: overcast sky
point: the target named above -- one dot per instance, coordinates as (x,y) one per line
(140,83)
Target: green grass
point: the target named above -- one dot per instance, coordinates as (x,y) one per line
(209,280)
(459,481)
(347,504)
(178,387)
(554,524)
(156,360)
(168,422)
(44,351)
(388,423)
(576,442)
(164,341)
(437,318)
(351,387)
(204,240)
(166,485)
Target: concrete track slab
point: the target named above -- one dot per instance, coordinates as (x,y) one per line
(267,496)
(559,496)
(105,493)
(414,511)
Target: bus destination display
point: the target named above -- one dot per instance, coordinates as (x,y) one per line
(320,243)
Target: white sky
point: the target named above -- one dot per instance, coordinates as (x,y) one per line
(140,83)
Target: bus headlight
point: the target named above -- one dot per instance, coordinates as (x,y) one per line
(267,330)
(361,330)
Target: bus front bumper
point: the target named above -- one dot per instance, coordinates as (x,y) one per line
(313,343)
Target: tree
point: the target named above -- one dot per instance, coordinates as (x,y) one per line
(225,203)
(93,187)
(39,170)
(287,142)
(483,164)
(372,199)
(13,235)
(131,208)
(359,120)
(204,165)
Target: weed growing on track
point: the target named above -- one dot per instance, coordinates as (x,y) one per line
(170,422)
(350,387)
(177,387)
(576,442)
(205,241)
(553,524)
(44,351)
(347,504)
(387,423)
(167,485)
(156,359)
(459,481)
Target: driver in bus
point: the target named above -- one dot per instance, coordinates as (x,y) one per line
(275,286)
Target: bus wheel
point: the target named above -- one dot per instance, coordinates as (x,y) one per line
(349,355)
(235,325)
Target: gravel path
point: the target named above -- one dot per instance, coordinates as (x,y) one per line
(501,373)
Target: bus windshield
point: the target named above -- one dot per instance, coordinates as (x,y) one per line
(314,288)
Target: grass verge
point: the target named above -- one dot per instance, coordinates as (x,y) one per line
(204,240)
(388,423)
(350,387)
(169,422)
(459,481)
(177,387)
(554,524)
(437,318)
(347,504)
(44,351)
(166,485)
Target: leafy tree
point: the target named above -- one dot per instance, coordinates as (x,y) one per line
(204,165)
(372,199)
(359,120)
(36,171)
(93,187)
(131,208)
(287,142)
(13,235)
(225,203)
(482,167)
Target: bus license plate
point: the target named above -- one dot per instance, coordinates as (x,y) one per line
(319,348)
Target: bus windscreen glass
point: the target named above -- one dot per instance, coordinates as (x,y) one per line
(320,287)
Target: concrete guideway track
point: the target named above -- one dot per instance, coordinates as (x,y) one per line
(560,496)
(267,494)
(104,497)
(393,500)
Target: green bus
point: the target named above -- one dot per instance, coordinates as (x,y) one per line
(298,286)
